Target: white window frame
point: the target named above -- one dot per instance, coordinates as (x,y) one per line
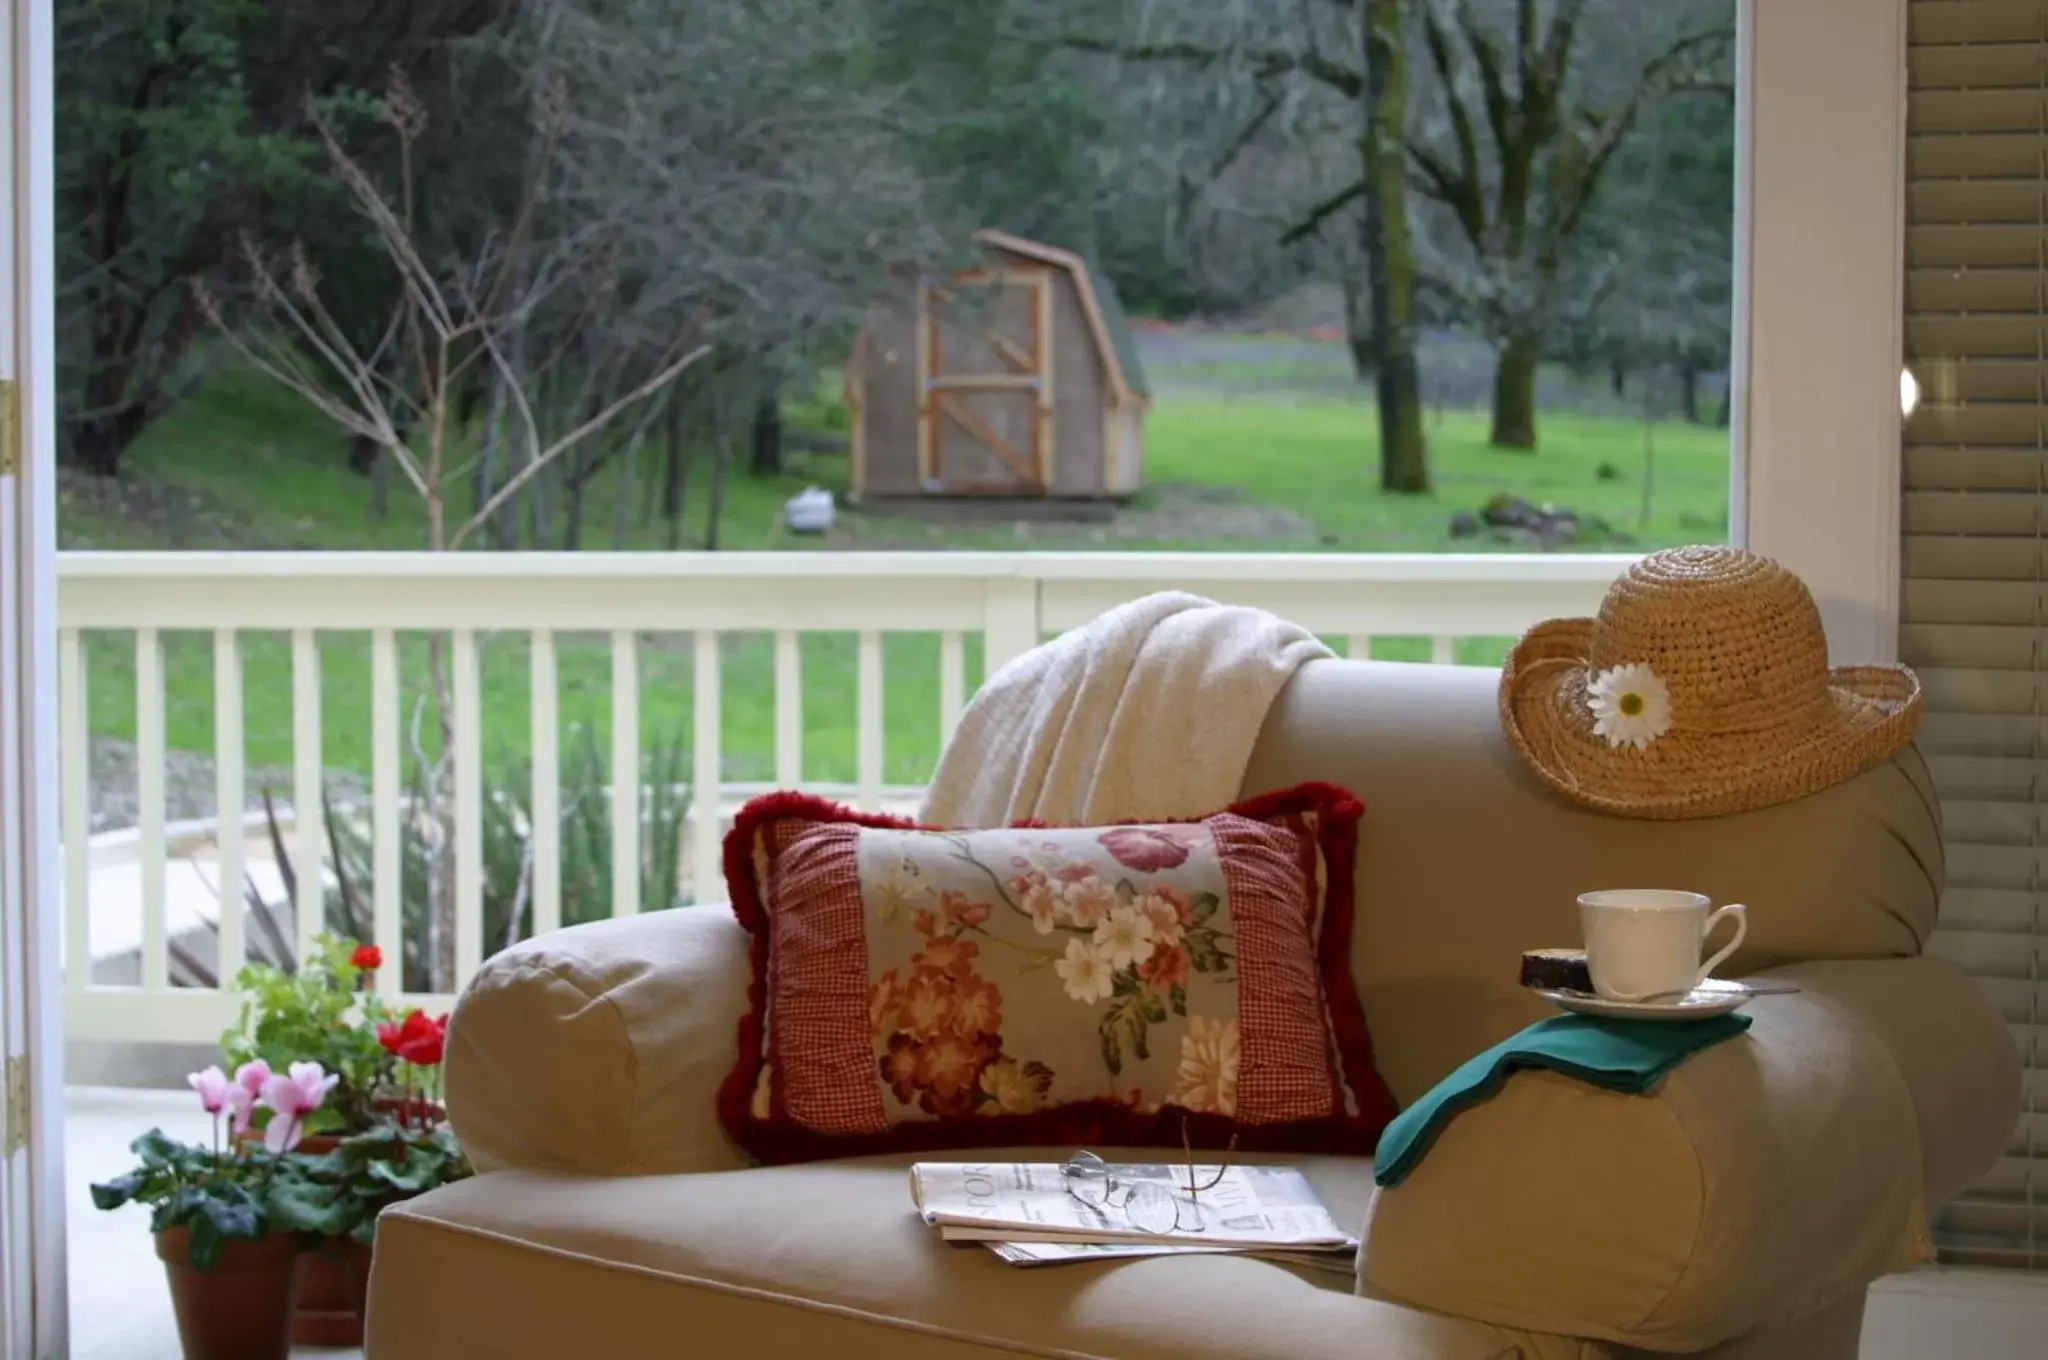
(1819,330)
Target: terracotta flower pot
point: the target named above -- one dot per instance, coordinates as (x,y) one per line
(327,1313)
(242,1308)
(334,1281)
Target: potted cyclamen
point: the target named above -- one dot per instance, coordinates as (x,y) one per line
(323,1011)
(355,1177)
(230,1256)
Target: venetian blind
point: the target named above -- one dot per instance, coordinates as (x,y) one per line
(1975,518)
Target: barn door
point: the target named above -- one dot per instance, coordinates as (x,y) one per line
(985,383)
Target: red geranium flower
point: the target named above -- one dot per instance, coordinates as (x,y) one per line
(367,957)
(416,1039)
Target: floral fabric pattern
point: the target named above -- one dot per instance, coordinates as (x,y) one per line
(916,988)
(1021,968)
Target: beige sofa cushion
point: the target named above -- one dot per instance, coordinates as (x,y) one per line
(1465,859)
(828,1260)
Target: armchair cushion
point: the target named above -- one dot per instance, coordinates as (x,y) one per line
(599,1048)
(1763,1180)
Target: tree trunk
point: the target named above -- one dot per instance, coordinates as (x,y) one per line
(380,485)
(493,448)
(1689,393)
(1390,254)
(628,490)
(1727,400)
(1358,325)
(1514,394)
(675,473)
(767,449)
(578,474)
(1617,378)
(721,455)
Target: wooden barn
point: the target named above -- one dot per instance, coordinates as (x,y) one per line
(1015,378)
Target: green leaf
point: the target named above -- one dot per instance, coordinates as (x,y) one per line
(156,1148)
(322,1210)
(420,1169)
(233,1213)
(1112,1049)
(1126,891)
(1206,905)
(115,1193)
(1125,982)
(1203,954)
(1178,996)
(1153,1007)
(206,1244)
(1138,1032)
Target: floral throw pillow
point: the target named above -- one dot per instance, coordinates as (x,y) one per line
(919,988)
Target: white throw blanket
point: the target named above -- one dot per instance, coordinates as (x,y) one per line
(1149,711)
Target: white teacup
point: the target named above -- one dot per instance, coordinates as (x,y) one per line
(1645,942)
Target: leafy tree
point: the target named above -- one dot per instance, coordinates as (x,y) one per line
(1337,71)
(180,124)
(1528,114)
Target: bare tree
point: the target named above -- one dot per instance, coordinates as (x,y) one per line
(447,323)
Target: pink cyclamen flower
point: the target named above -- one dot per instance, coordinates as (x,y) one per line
(242,1102)
(213,1087)
(291,1098)
(251,1075)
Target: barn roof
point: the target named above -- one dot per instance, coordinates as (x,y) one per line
(1099,301)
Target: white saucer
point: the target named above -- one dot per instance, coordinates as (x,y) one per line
(1715,996)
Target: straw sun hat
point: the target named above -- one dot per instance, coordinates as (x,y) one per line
(1702,689)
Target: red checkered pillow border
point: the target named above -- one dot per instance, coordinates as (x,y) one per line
(806,1085)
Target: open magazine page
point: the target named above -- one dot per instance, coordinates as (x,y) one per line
(1340,1262)
(1249,1206)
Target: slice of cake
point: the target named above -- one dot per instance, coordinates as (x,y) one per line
(1556,970)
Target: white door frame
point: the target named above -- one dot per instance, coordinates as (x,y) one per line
(33,1318)
(1819,311)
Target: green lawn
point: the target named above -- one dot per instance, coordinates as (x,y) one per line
(243,464)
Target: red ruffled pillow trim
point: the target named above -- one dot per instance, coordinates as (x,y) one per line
(1100,1123)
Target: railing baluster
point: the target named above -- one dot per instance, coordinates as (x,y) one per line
(469,808)
(625,773)
(387,882)
(74,752)
(228,797)
(708,870)
(789,710)
(1358,647)
(1443,650)
(868,736)
(547,787)
(952,684)
(149,802)
(309,908)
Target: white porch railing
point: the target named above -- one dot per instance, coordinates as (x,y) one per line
(1011,600)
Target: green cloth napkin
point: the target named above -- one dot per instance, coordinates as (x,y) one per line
(1630,1056)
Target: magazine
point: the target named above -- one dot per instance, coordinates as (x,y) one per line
(1246,1206)
(1340,1261)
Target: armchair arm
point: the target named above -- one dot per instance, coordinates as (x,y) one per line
(599,1049)
(1767,1176)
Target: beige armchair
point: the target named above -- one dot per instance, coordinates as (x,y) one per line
(1740,1211)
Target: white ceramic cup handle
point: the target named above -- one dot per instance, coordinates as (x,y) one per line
(1741,915)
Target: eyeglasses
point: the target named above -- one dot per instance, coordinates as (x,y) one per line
(1150,1204)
